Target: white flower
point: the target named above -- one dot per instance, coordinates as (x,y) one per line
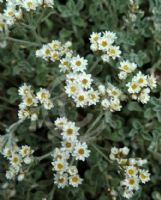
(132,183)
(128,194)
(140,162)
(124,151)
(93,97)
(7,152)
(70,131)
(34,116)
(81,99)
(122,75)
(105,58)
(60,166)
(21,177)
(64,65)
(144,176)
(115,105)
(60,122)
(28,160)
(114,52)
(152,83)
(26,151)
(43,95)
(85,80)
(61,180)
(23,114)
(25,90)
(72,88)
(72,170)
(94,37)
(60,154)
(15,160)
(132,161)
(68,145)
(141,79)
(81,151)
(29,101)
(48,104)
(110,35)
(75,180)
(114,150)
(78,64)
(105,104)
(104,43)
(102,90)
(127,67)
(131,171)
(133,87)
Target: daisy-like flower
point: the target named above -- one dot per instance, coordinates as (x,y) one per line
(104,43)
(114,52)
(115,105)
(26,151)
(60,154)
(131,171)
(124,151)
(15,160)
(48,104)
(54,56)
(105,104)
(94,37)
(144,96)
(70,131)
(7,152)
(122,75)
(128,194)
(127,67)
(133,87)
(152,83)
(85,80)
(102,90)
(81,151)
(110,35)
(61,180)
(64,65)
(75,180)
(29,101)
(113,91)
(78,64)
(141,79)
(60,122)
(43,95)
(81,99)
(60,166)
(30,5)
(72,170)
(132,183)
(55,44)
(72,88)
(144,176)
(105,58)
(93,97)
(25,90)
(68,145)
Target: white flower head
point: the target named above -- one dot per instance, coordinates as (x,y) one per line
(75,180)
(78,64)
(81,151)
(61,180)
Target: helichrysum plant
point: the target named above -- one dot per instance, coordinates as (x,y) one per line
(80,99)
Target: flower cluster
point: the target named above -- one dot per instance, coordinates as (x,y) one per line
(19,159)
(28,108)
(13,11)
(133,171)
(103,42)
(71,149)
(140,85)
(78,82)
(111,97)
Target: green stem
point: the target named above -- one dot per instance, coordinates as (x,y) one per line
(100,152)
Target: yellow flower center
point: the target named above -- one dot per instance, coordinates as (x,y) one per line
(81,151)
(84,81)
(142,176)
(69,131)
(68,144)
(131,181)
(30,4)
(75,179)
(29,101)
(73,89)
(78,63)
(141,80)
(81,98)
(15,160)
(134,86)
(47,51)
(112,51)
(60,166)
(61,180)
(131,171)
(104,43)
(126,67)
